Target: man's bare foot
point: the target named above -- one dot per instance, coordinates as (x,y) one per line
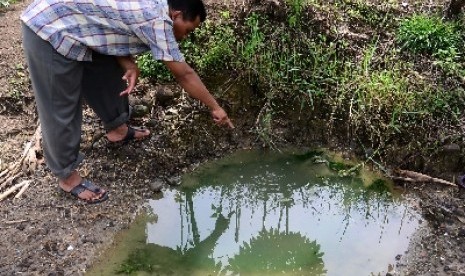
(74,180)
(123,132)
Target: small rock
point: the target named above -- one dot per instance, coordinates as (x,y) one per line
(140,111)
(164,96)
(174,181)
(151,123)
(156,185)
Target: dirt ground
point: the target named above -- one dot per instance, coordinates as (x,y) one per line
(47,233)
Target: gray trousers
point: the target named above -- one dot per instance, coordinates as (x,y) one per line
(60,85)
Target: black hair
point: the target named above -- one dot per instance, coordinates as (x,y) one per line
(190,9)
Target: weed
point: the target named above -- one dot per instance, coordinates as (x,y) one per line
(296,12)
(208,49)
(423,34)
(153,69)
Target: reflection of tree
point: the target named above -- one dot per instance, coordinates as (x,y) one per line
(274,252)
(160,259)
(268,187)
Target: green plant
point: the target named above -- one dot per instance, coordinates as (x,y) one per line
(138,261)
(449,61)
(209,48)
(296,12)
(153,69)
(427,35)
(256,37)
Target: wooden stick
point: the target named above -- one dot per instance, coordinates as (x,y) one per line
(20,193)
(16,169)
(8,180)
(5,171)
(15,221)
(11,190)
(411,176)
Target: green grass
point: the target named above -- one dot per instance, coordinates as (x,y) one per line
(423,34)
(380,92)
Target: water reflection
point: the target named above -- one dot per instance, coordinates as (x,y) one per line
(266,215)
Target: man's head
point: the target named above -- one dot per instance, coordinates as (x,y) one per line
(186,15)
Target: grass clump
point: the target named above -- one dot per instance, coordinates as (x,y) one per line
(421,34)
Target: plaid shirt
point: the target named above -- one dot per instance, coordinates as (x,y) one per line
(75,28)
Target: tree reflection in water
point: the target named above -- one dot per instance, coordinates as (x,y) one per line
(196,260)
(271,215)
(273,252)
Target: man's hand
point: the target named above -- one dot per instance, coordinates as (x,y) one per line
(131,75)
(190,81)
(221,118)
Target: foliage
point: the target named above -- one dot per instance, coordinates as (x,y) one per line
(274,252)
(210,47)
(285,63)
(367,85)
(296,12)
(153,69)
(207,50)
(138,260)
(427,34)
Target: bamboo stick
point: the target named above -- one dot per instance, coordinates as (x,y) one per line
(23,189)
(11,190)
(411,176)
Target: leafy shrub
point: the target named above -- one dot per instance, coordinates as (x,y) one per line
(428,35)
(153,69)
(207,50)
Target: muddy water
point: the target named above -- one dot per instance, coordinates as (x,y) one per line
(258,213)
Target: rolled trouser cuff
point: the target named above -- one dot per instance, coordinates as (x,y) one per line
(64,173)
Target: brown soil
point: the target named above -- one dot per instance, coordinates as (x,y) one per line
(47,233)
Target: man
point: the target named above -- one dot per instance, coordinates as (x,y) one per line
(84,49)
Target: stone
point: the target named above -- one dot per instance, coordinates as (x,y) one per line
(140,111)
(156,185)
(165,96)
(174,181)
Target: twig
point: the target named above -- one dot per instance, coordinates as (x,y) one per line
(11,190)
(415,177)
(23,189)
(27,162)
(16,221)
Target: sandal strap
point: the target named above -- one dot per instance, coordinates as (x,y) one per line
(85,185)
(90,186)
(130,134)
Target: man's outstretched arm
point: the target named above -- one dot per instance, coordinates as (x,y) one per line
(190,81)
